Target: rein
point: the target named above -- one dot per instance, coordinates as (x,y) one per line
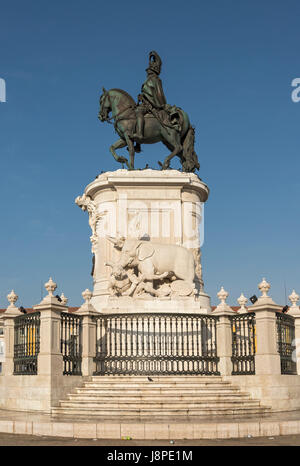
(109,120)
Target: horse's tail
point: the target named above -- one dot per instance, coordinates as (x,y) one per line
(190,160)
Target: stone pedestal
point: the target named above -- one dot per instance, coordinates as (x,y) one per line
(162,206)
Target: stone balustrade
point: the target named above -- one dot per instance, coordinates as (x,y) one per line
(254,328)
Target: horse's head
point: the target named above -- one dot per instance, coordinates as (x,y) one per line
(105,106)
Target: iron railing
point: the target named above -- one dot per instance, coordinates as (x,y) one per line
(243,343)
(286,342)
(156,344)
(26,343)
(71,343)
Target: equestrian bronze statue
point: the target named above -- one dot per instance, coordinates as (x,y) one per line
(149,121)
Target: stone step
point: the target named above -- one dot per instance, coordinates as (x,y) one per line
(188,393)
(156,405)
(161,376)
(156,378)
(156,398)
(158,413)
(157,390)
(152,385)
(136,396)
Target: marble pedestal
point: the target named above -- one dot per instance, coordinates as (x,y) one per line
(163,206)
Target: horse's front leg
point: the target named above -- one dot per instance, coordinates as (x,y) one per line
(131,151)
(118,145)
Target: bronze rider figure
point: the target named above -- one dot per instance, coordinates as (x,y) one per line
(152,98)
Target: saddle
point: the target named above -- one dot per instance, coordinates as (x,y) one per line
(169,117)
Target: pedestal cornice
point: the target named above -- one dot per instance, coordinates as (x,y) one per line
(148,178)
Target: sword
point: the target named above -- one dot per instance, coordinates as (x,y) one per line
(150,108)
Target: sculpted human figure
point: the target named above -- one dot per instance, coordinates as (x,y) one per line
(86,203)
(122,282)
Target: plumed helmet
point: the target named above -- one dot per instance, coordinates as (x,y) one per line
(154,62)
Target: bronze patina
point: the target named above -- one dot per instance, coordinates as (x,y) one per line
(148,121)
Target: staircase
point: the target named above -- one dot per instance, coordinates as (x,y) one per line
(162,396)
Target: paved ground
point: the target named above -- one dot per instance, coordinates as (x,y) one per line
(30,440)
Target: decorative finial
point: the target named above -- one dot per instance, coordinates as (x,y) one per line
(242,301)
(12,310)
(87,295)
(87,308)
(223,307)
(12,297)
(50,286)
(64,300)
(264,287)
(294,298)
(223,295)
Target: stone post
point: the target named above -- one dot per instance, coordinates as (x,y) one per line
(87,310)
(224,335)
(267,358)
(50,359)
(9,315)
(295,312)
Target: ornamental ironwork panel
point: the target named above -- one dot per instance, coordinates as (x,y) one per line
(26,343)
(156,344)
(243,343)
(71,343)
(286,343)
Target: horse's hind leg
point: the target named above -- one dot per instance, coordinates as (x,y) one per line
(173,141)
(118,145)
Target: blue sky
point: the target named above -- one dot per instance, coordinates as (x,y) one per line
(229,64)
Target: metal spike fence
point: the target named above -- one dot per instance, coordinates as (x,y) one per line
(156,344)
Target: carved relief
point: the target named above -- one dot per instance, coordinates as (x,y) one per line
(87,204)
(198,267)
(146,268)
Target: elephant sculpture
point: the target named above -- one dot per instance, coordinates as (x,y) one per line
(152,259)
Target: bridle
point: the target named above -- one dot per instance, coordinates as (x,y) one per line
(117,116)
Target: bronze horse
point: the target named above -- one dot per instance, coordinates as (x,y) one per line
(179,142)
